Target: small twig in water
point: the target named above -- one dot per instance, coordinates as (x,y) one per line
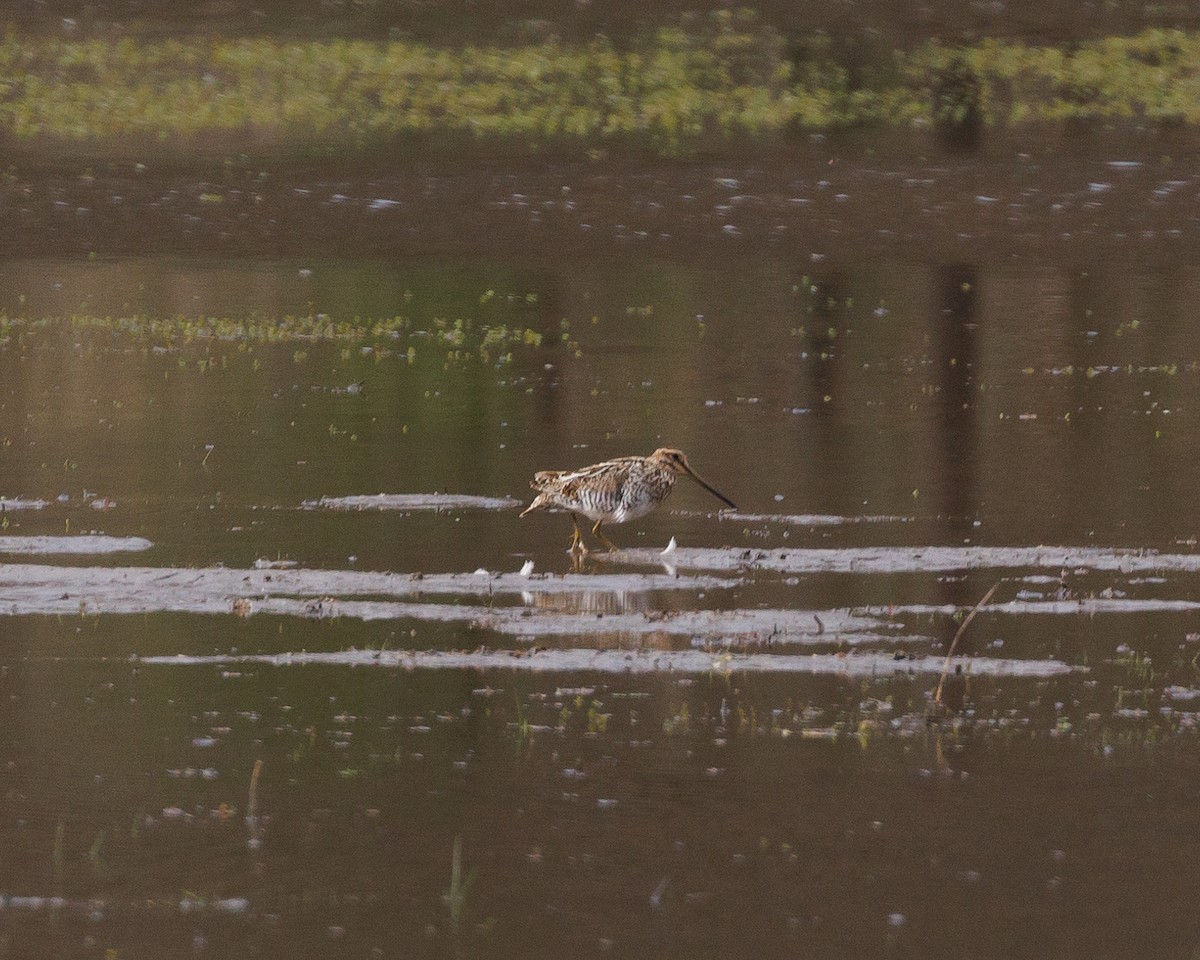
(937,696)
(252,805)
(252,801)
(456,897)
(56,853)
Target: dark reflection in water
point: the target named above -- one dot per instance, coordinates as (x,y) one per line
(956,357)
(956,108)
(819,369)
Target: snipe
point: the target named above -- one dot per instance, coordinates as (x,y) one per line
(614,491)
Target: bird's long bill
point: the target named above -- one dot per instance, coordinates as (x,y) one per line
(709,487)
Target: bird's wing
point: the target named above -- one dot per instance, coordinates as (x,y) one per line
(610,474)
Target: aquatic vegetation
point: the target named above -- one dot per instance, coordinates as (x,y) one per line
(381,337)
(675,91)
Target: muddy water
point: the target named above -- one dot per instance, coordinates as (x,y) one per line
(210,559)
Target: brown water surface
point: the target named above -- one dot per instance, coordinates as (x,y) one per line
(640,758)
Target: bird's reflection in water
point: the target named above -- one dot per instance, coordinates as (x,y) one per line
(599,604)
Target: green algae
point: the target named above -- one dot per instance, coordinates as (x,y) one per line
(676,91)
(398,335)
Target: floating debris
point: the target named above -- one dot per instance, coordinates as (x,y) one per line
(82,544)
(411,501)
(1084,605)
(627,661)
(264,564)
(795,519)
(29,580)
(18,504)
(931,559)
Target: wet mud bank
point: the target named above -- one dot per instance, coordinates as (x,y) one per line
(574,608)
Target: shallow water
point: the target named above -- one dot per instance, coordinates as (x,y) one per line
(219,549)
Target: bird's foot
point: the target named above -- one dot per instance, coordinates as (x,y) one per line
(608,544)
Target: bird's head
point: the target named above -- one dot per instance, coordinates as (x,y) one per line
(672,459)
(677,462)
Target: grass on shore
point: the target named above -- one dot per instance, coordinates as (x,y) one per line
(678,92)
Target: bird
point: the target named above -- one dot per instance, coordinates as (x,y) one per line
(614,491)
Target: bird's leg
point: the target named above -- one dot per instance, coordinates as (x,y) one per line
(577,537)
(602,538)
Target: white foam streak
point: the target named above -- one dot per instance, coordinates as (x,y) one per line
(919,559)
(411,501)
(72,545)
(630,662)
